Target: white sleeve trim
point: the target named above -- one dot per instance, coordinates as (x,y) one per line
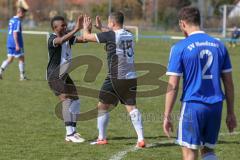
(227,70)
(173,74)
(18,28)
(97,38)
(54,43)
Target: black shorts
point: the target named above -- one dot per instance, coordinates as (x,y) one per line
(65,85)
(114,90)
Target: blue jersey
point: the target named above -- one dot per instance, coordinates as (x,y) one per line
(14,26)
(201,60)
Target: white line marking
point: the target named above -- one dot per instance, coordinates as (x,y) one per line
(229,134)
(120,155)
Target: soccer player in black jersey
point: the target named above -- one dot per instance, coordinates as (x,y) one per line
(60,54)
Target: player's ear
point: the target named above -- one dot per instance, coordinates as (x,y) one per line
(183,24)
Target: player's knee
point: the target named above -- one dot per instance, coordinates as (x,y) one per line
(102,106)
(189,154)
(63,97)
(130,108)
(21,59)
(10,59)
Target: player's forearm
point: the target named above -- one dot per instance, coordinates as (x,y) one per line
(230,99)
(104,29)
(15,37)
(80,39)
(68,36)
(229,92)
(171,97)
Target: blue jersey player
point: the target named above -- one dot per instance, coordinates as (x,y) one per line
(15,43)
(203,62)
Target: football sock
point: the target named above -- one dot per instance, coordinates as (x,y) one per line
(209,156)
(21,66)
(102,122)
(75,111)
(74,124)
(67,117)
(4,65)
(69,130)
(136,119)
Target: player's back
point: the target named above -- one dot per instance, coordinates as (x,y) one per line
(125,53)
(203,59)
(120,53)
(14,26)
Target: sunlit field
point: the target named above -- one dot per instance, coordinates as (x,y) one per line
(29,128)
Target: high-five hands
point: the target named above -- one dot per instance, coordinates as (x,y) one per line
(79,23)
(98,23)
(87,23)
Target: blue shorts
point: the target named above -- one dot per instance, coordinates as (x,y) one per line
(13,53)
(199,124)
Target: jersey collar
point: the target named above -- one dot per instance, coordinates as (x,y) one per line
(196,32)
(119,30)
(15,17)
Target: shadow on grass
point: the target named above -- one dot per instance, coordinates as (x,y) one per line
(228,142)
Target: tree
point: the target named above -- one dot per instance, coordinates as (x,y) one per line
(131,8)
(167,11)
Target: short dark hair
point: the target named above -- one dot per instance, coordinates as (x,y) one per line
(22,9)
(191,15)
(56,18)
(118,17)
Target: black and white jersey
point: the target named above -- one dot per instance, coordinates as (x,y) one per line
(120,53)
(58,55)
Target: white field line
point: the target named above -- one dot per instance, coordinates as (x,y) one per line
(229,134)
(121,154)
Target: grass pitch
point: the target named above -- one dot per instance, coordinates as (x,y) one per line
(29,128)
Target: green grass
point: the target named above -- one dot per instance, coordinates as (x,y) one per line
(30,130)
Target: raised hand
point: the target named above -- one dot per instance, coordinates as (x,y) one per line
(79,23)
(98,23)
(87,23)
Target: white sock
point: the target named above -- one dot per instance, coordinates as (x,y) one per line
(136,119)
(102,122)
(74,129)
(209,156)
(4,65)
(69,130)
(21,68)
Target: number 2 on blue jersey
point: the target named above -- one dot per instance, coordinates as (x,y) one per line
(208,63)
